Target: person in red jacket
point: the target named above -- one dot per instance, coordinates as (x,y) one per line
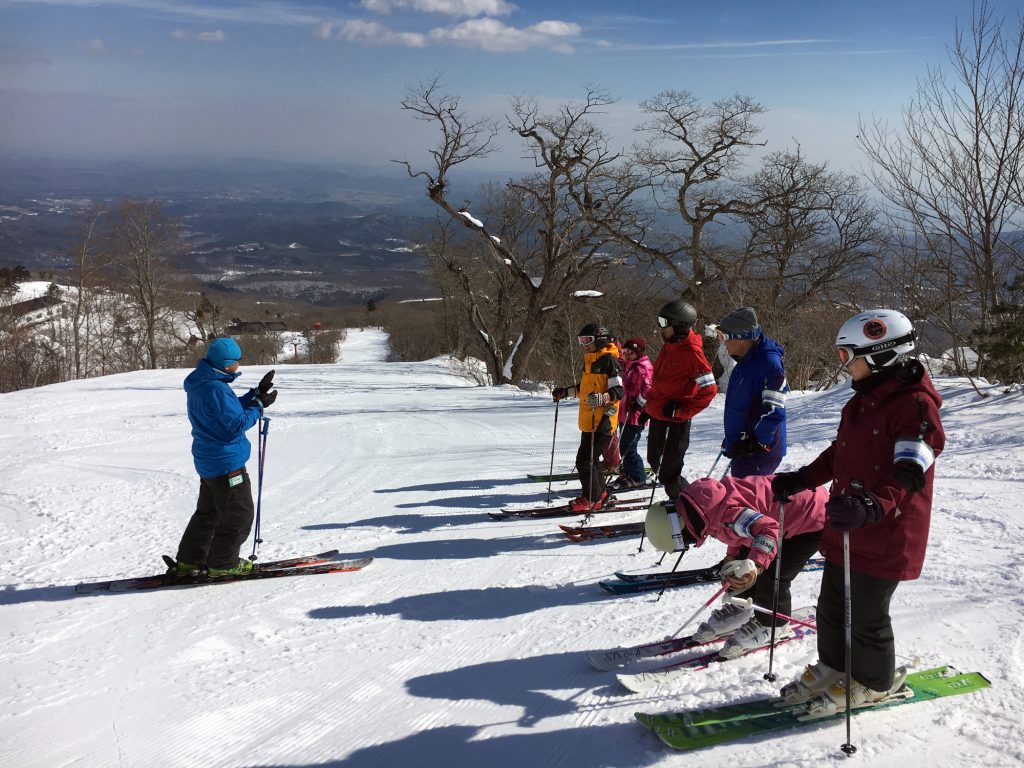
(682,386)
(881,466)
(741,513)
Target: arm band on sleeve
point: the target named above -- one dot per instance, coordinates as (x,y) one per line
(916,451)
(744,524)
(706,380)
(773,398)
(765,544)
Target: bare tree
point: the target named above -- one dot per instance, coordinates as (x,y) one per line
(953,173)
(692,158)
(551,229)
(142,240)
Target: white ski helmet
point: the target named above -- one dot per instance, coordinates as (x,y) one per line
(880,336)
(664,529)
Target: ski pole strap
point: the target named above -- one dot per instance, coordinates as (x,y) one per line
(747,602)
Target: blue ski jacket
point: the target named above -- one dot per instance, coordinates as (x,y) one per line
(219,420)
(755,401)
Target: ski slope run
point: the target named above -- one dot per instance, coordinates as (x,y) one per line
(463,643)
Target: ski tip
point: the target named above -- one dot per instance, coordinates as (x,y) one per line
(646,720)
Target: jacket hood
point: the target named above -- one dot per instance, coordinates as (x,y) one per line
(703,494)
(205,372)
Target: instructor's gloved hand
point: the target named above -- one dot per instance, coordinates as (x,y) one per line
(643,418)
(265,401)
(598,399)
(669,409)
(266,384)
(785,484)
(845,512)
(747,446)
(559,393)
(740,575)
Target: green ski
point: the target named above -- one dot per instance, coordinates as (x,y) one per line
(706,727)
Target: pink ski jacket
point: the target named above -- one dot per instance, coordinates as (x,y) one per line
(740,512)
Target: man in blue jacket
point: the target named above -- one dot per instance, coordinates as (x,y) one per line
(755,401)
(224,511)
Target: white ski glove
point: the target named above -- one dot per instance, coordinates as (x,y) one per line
(740,575)
(598,399)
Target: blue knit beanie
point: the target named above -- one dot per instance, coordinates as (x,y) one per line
(223,351)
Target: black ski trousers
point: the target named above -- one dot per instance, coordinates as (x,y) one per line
(873,661)
(221,523)
(667,442)
(795,554)
(589,462)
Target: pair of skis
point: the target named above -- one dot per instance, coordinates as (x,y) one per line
(309,565)
(705,727)
(649,679)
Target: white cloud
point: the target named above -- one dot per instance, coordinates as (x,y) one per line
(368,33)
(96,45)
(446,7)
(493,35)
(213,36)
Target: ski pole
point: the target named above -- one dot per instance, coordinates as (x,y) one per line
(718,458)
(848,747)
(665,585)
(770,675)
(698,612)
(748,602)
(261,447)
(551,468)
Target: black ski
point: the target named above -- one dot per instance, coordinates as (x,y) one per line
(295,567)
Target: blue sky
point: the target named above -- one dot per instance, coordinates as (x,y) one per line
(322,81)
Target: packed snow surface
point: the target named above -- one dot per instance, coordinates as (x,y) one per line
(462,644)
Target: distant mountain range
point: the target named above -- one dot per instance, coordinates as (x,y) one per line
(322,235)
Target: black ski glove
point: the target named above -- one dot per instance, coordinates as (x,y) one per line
(669,409)
(559,393)
(266,384)
(785,484)
(845,512)
(263,401)
(748,446)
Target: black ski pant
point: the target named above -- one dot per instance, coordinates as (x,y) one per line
(795,554)
(589,462)
(667,442)
(221,523)
(873,661)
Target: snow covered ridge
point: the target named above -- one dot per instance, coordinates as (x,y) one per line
(463,643)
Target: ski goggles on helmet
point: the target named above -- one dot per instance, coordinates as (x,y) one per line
(663,322)
(585,340)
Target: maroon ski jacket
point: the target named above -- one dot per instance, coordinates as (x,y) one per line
(879,426)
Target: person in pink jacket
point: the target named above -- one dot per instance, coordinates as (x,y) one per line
(881,466)
(742,513)
(636,385)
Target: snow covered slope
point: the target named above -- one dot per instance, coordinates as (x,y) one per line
(461,645)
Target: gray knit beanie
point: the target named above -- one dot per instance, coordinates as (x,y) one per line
(740,324)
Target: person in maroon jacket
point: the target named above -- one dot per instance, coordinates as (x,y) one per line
(682,386)
(881,466)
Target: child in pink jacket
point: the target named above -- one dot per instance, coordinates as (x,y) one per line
(742,513)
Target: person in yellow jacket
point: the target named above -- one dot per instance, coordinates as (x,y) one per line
(599,390)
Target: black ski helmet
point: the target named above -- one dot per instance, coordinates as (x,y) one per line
(680,315)
(601,334)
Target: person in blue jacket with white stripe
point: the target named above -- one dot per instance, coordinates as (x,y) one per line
(224,512)
(755,400)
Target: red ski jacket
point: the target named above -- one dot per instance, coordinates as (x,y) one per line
(877,430)
(682,374)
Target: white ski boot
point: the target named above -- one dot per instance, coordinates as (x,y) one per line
(723,621)
(816,678)
(750,637)
(833,699)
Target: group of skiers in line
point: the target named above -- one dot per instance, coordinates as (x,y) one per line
(880,466)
